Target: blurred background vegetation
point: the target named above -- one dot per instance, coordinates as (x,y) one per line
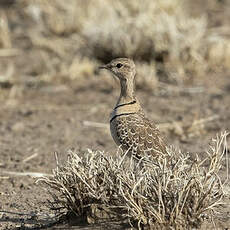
(178,42)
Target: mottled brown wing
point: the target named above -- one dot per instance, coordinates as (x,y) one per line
(138,135)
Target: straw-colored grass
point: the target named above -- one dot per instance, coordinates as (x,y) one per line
(68,40)
(165,31)
(176,192)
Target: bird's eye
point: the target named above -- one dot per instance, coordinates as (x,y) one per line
(119,65)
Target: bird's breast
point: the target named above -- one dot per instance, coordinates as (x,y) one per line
(113,130)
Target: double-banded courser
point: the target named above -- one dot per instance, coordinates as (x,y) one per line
(129,126)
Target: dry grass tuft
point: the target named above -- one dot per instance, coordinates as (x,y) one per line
(175,192)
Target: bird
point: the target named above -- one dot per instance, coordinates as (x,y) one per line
(129,126)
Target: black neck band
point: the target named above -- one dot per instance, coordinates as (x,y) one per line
(118,115)
(129,103)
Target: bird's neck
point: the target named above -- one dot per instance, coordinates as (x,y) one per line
(127,102)
(127,94)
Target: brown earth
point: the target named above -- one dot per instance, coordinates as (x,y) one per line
(36,121)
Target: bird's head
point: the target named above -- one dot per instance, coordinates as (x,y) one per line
(123,68)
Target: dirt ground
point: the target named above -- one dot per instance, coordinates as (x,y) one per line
(44,119)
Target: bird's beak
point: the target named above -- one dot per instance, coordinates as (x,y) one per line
(102,67)
(108,67)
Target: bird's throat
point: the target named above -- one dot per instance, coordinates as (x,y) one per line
(127,92)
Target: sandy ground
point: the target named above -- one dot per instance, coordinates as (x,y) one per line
(46,120)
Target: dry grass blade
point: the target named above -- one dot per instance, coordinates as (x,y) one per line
(174,192)
(30,157)
(9,52)
(96,124)
(32,174)
(5,35)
